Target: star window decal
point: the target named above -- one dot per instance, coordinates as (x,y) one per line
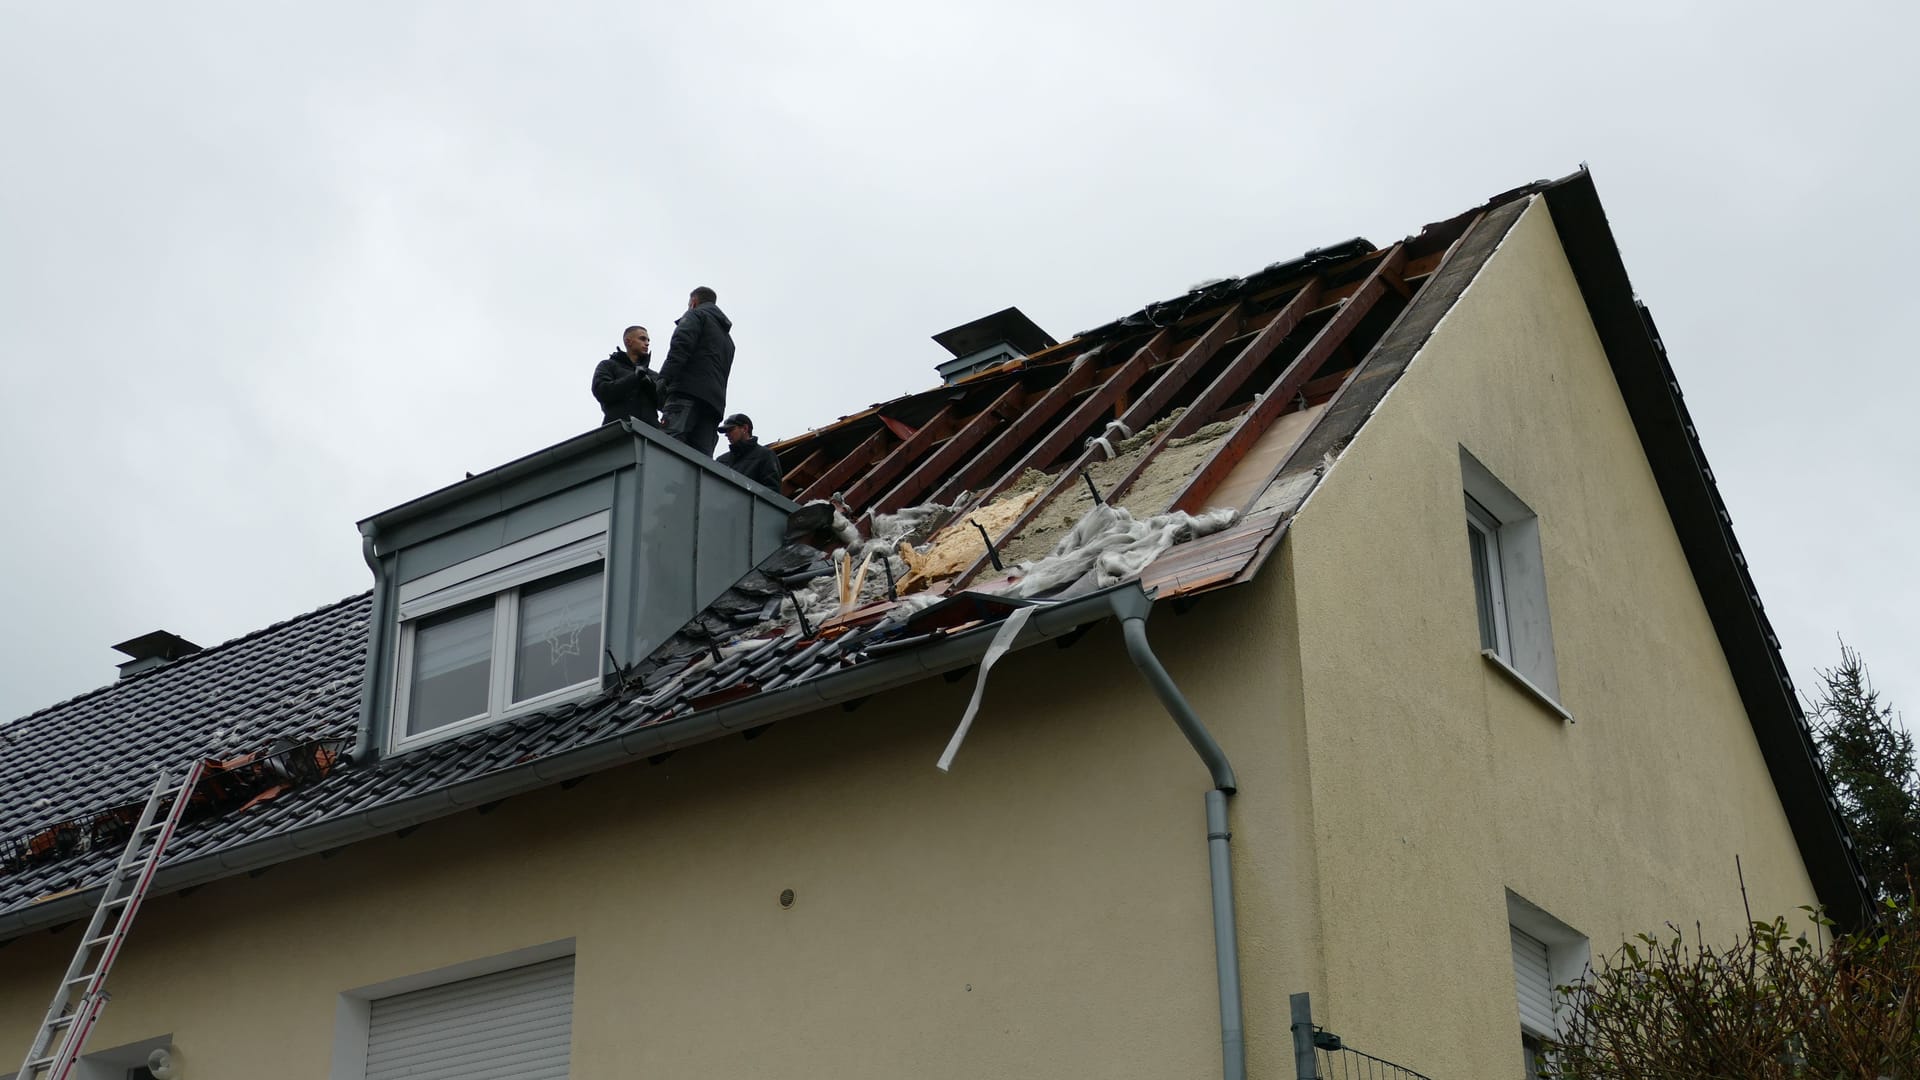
(565,641)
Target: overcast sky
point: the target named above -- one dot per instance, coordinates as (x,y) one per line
(266,269)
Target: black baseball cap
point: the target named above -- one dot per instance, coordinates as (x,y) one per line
(738,419)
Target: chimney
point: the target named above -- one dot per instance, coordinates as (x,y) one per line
(157,649)
(999,337)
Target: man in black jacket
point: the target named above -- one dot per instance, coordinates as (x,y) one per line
(695,374)
(746,456)
(623,384)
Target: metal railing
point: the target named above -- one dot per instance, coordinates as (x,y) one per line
(1319,1054)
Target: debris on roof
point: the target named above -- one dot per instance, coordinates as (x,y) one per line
(1108,546)
(961,543)
(230,786)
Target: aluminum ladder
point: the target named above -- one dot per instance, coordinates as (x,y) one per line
(62,1035)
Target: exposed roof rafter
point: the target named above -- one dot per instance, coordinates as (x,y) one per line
(1078,377)
(921,480)
(941,425)
(1279,395)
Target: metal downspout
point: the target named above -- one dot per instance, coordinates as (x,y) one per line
(1131,607)
(376,642)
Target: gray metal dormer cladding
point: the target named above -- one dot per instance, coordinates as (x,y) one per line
(520,588)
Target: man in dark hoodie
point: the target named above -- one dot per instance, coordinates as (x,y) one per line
(623,384)
(746,456)
(695,374)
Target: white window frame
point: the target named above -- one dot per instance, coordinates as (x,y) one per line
(353,1009)
(1569,955)
(501,574)
(1509,532)
(1484,533)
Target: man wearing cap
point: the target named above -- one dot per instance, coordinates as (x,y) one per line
(746,456)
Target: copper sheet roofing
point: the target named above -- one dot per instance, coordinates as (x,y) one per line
(1234,395)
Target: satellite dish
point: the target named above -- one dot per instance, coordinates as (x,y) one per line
(160,1064)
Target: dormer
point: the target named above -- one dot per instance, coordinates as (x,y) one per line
(524,588)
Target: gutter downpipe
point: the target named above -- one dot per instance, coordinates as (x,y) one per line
(1132,606)
(376,642)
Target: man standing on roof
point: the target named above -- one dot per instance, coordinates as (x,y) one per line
(695,374)
(623,383)
(746,456)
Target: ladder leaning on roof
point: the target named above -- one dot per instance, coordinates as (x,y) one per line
(70,1019)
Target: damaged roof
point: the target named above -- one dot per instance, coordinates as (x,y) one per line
(1231,398)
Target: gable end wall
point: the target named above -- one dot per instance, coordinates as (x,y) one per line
(1437,783)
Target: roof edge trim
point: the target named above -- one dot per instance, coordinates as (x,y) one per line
(1646,381)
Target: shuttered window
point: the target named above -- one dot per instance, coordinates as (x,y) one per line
(512,1024)
(1534,983)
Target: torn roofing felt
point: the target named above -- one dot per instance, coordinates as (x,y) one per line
(1208,419)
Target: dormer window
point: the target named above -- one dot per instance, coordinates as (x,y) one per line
(520,589)
(516,629)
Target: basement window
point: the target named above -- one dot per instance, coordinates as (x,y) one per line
(513,631)
(1509,584)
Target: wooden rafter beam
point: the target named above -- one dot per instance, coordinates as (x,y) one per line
(1362,370)
(1075,380)
(1086,414)
(810,466)
(1196,356)
(1279,396)
(915,444)
(972,433)
(1228,382)
(844,470)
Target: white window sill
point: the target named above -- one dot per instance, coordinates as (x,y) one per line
(1526,684)
(562,696)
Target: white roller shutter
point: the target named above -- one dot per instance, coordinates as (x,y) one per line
(1531,977)
(511,1024)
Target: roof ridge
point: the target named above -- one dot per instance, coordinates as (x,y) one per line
(208,651)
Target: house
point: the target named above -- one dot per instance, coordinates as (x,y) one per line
(618,771)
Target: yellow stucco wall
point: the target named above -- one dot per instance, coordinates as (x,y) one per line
(1437,784)
(1041,911)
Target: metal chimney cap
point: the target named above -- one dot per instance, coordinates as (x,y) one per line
(1010,326)
(157,645)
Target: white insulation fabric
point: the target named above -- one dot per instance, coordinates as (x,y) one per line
(1108,545)
(1002,642)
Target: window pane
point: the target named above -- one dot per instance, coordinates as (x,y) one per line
(559,642)
(452,665)
(1531,1051)
(1482,588)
